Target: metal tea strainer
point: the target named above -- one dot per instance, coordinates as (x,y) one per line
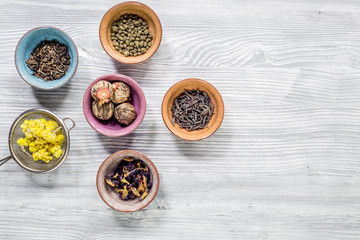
(23,159)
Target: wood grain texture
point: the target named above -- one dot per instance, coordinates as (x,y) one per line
(283,165)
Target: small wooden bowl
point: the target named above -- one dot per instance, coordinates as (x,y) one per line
(113,199)
(114,14)
(190,84)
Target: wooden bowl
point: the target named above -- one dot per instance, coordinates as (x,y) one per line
(113,199)
(114,14)
(190,84)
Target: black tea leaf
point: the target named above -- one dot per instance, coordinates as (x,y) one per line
(192,110)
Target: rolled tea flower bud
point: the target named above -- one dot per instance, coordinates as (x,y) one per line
(125,113)
(121,92)
(104,111)
(102,91)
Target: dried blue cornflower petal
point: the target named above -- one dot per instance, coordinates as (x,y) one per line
(132,195)
(142,185)
(132,173)
(136,183)
(124,194)
(134,190)
(112,182)
(144,194)
(131,179)
(149,185)
(123,180)
(128,159)
(130,167)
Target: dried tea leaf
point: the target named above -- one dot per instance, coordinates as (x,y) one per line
(50,60)
(192,110)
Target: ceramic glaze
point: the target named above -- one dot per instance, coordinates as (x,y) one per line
(112,127)
(32,39)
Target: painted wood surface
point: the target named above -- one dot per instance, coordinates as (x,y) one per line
(284,164)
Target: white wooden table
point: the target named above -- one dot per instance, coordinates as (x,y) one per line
(285,164)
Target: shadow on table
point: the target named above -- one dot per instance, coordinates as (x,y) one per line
(52,99)
(113,145)
(136,71)
(218,143)
(136,140)
(49,180)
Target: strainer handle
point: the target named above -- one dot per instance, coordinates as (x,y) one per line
(4,160)
(73,123)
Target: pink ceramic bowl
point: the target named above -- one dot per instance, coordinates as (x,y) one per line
(112,127)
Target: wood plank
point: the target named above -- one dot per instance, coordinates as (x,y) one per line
(283,165)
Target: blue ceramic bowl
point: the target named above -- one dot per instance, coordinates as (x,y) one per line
(27,44)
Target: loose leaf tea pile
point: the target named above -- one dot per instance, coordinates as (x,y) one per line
(131,179)
(192,110)
(50,60)
(130,35)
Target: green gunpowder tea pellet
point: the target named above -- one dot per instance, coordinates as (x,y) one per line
(130,35)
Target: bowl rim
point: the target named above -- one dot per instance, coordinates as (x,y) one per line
(128,151)
(141,95)
(164,104)
(156,18)
(62,32)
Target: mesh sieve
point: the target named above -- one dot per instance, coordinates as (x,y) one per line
(23,159)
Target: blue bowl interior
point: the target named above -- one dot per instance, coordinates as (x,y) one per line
(27,44)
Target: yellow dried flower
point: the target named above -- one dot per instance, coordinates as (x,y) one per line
(43,138)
